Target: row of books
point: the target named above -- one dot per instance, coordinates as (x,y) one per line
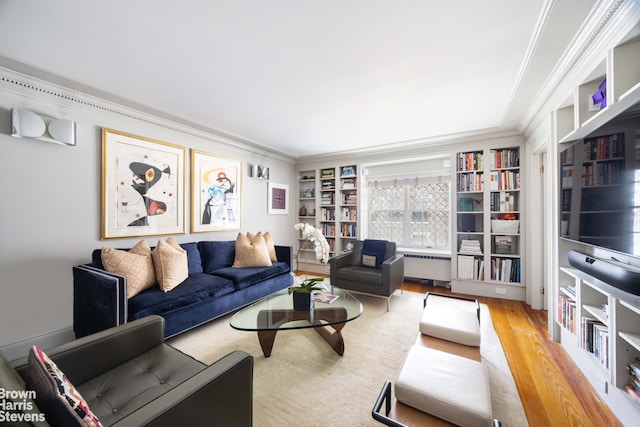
(607,173)
(503,202)
(470,182)
(349,214)
(348,184)
(505,269)
(328,230)
(633,388)
(327,173)
(504,180)
(567,176)
(328,198)
(327,214)
(350,198)
(467,162)
(470,267)
(505,158)
(594,338)
(349,230)
(567,313)
(604,147)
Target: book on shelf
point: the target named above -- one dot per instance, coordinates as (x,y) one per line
(503,245)
(470,267)
(348,171)
(470,246)
(327,173)
(349,184)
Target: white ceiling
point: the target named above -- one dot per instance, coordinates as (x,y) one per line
(302,77)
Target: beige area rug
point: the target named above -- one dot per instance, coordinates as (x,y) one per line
(305,383)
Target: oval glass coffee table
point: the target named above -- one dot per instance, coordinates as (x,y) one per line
(275,313)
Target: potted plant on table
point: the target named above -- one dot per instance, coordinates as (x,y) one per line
(303,293)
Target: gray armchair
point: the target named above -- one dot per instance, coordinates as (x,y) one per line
(349,273)
(130,377)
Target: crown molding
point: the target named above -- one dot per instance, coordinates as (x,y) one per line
(607,25)
(31,91)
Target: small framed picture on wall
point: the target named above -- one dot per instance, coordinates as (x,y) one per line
(278,199)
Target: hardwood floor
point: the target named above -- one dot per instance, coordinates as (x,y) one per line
(552,389)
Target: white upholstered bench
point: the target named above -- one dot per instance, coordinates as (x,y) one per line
(451,318)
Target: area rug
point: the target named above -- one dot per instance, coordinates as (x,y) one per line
(305,383)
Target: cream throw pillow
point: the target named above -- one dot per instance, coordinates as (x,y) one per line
(270,246)
(171,264)
(251,251)
(136,265)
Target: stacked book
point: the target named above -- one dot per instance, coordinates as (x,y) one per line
(470,247)
(470,267)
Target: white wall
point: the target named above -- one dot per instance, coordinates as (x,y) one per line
(50,200)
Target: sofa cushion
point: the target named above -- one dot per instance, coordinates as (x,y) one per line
(170,263)
(245,277)
(136,265)
(61,403)
(193,257)
(251,251)
(356,273)
(196,288)
(133,384)
(271,247)
(217,254)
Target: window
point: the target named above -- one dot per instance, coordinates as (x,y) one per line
(414,213)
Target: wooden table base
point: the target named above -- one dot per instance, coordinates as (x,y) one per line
(317,318)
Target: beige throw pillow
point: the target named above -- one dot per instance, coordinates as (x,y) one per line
(171,264)
(251,252)
(136,265)
(270,246)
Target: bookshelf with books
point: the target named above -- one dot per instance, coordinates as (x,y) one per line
(488,256)
(330,199)
(348,219)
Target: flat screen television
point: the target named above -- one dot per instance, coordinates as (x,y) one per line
(600,186)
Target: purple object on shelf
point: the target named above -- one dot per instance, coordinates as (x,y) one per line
(600,97)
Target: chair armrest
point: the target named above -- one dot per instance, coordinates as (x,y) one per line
(99,300)
(384,398)
(222,394)
(106,349)
(393,270)
(339,261)
(285,254)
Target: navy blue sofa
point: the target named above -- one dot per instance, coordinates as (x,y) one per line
(213,289)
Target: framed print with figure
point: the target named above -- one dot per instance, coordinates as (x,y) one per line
(215,192)
(142,186)
(278,198)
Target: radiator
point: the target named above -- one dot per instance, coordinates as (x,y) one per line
(428,267)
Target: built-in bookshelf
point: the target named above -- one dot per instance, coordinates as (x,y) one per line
(487,230)
(597,324)
(335,205)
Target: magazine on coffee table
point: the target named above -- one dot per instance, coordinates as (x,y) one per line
(325,298)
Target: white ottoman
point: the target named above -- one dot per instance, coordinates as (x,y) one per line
(447,386)
(451,319)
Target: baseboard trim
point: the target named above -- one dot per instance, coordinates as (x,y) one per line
(47,340)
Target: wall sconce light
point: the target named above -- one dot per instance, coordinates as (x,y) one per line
(26,124)
(257,171)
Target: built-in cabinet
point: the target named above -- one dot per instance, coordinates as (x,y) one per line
(328,199)
(597,324)
(487,259)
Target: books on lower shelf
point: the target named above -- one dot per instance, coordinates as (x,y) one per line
(505,269)
(470,267)
(567,313)
(594,338)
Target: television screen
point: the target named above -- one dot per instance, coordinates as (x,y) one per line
(600,186)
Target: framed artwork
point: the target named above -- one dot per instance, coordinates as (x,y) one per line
(216,192)
(142,186)
(278,198)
